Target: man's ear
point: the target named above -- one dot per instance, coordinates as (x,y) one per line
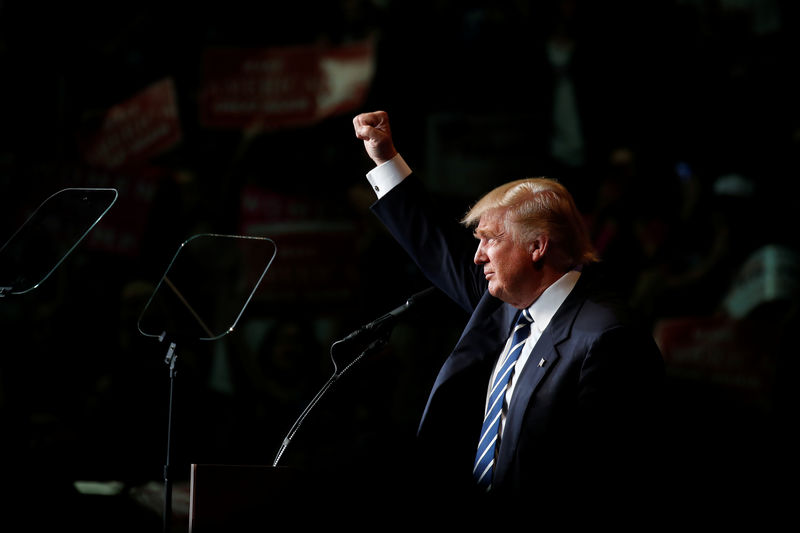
(539,248)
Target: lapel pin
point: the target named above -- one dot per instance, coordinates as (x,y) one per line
(542,361)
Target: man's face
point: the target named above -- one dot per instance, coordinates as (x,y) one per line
(508,267)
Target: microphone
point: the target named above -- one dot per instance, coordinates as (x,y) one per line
(374,326)
(391,317)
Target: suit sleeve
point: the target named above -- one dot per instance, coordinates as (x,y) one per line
(440,247)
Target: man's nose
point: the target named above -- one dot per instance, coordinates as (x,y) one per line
(480,257)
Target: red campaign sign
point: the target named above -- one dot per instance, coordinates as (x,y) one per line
(314,260)
(120,231)
(718,350)
(287,86)
(135,130)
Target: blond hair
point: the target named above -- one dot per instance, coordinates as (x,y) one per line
(536,206)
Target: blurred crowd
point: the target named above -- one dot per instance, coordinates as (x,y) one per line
(675,123)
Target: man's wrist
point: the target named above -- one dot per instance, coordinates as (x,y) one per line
(387,175)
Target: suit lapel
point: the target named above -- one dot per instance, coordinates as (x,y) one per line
(543,358)
(483,337)
(479,345)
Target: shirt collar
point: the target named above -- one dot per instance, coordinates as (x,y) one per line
(546,305)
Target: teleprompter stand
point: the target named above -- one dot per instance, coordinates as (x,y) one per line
(201,297)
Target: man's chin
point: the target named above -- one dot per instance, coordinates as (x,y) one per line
(495,291)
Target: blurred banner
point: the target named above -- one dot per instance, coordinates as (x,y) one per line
(121,231)
(133,131)
(283,87)
(719,351)
(317,248)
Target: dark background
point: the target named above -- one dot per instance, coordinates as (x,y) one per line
(678,101)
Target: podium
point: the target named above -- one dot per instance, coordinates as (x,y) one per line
(247,497)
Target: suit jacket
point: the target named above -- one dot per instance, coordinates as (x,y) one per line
(584,405)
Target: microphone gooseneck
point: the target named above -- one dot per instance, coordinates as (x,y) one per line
(380,328)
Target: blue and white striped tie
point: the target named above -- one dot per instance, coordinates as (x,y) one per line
(484,458)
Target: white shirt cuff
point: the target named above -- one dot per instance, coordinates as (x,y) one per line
(386,175)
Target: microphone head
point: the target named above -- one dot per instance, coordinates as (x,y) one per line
(411,301)
(420,295)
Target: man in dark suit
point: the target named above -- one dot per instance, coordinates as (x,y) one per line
(579,413)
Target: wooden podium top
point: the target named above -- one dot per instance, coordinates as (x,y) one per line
(241,497)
